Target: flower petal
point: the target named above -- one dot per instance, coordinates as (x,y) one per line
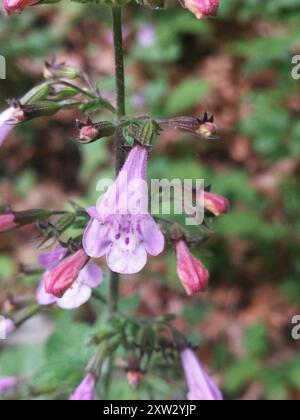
(5,129)
(96,239)
(91,275)
(49,260)
(124,262)
(76,296)
(42,297)
(153,238)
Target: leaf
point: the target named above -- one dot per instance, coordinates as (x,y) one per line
(186,95)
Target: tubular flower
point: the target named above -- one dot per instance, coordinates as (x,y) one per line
(6,383)
(200,385)
(86,390)
(121,227)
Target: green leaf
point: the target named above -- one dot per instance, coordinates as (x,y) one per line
(186,95)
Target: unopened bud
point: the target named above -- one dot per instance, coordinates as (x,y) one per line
(216,204)
(90,132)
(17,6)
(204,128)
(134,377)
(60,71)
(38,93)
(202,8)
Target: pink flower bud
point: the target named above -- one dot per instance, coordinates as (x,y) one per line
(7,222)
(62,277)
(202,8)
(134,377)
(216,204)
(192,274)
(17,6)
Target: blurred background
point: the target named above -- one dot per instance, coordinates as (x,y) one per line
(237,67)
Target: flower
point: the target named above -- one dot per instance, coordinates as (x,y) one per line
(216,204)
(146,36)
(17,6)
(200,385)
(79,292)
(192,274)
(9,326)
(134,377)
(86,389)
(7,222)
(5,125)
(202,8)
(121,227)
(6,383)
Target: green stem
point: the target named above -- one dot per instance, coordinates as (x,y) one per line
(120,81)
(120,154)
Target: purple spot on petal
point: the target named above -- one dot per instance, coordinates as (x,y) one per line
(127,241)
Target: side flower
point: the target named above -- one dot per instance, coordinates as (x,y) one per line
(7,383)
(85,279)
(191,272)
(7,123)
(200,385)
(86,389)
(121,227)
(70,280)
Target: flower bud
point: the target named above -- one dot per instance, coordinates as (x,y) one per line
(204,128)
(202,8)
(60,71)
(62,277)
(36,94)
(17,6)
(7,222)
(59,93)
(90,132)
(192,274)
(134,377)
(207,128)
(216,204)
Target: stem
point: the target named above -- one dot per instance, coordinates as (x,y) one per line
(120,154)
(120,81)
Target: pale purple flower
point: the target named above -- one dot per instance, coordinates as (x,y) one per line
(121,227)
(200,385)
(146,36)
(7,382)
(81,290)
(9,327)
(86,389)
(5,125)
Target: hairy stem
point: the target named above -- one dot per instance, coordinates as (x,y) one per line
(120,154)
